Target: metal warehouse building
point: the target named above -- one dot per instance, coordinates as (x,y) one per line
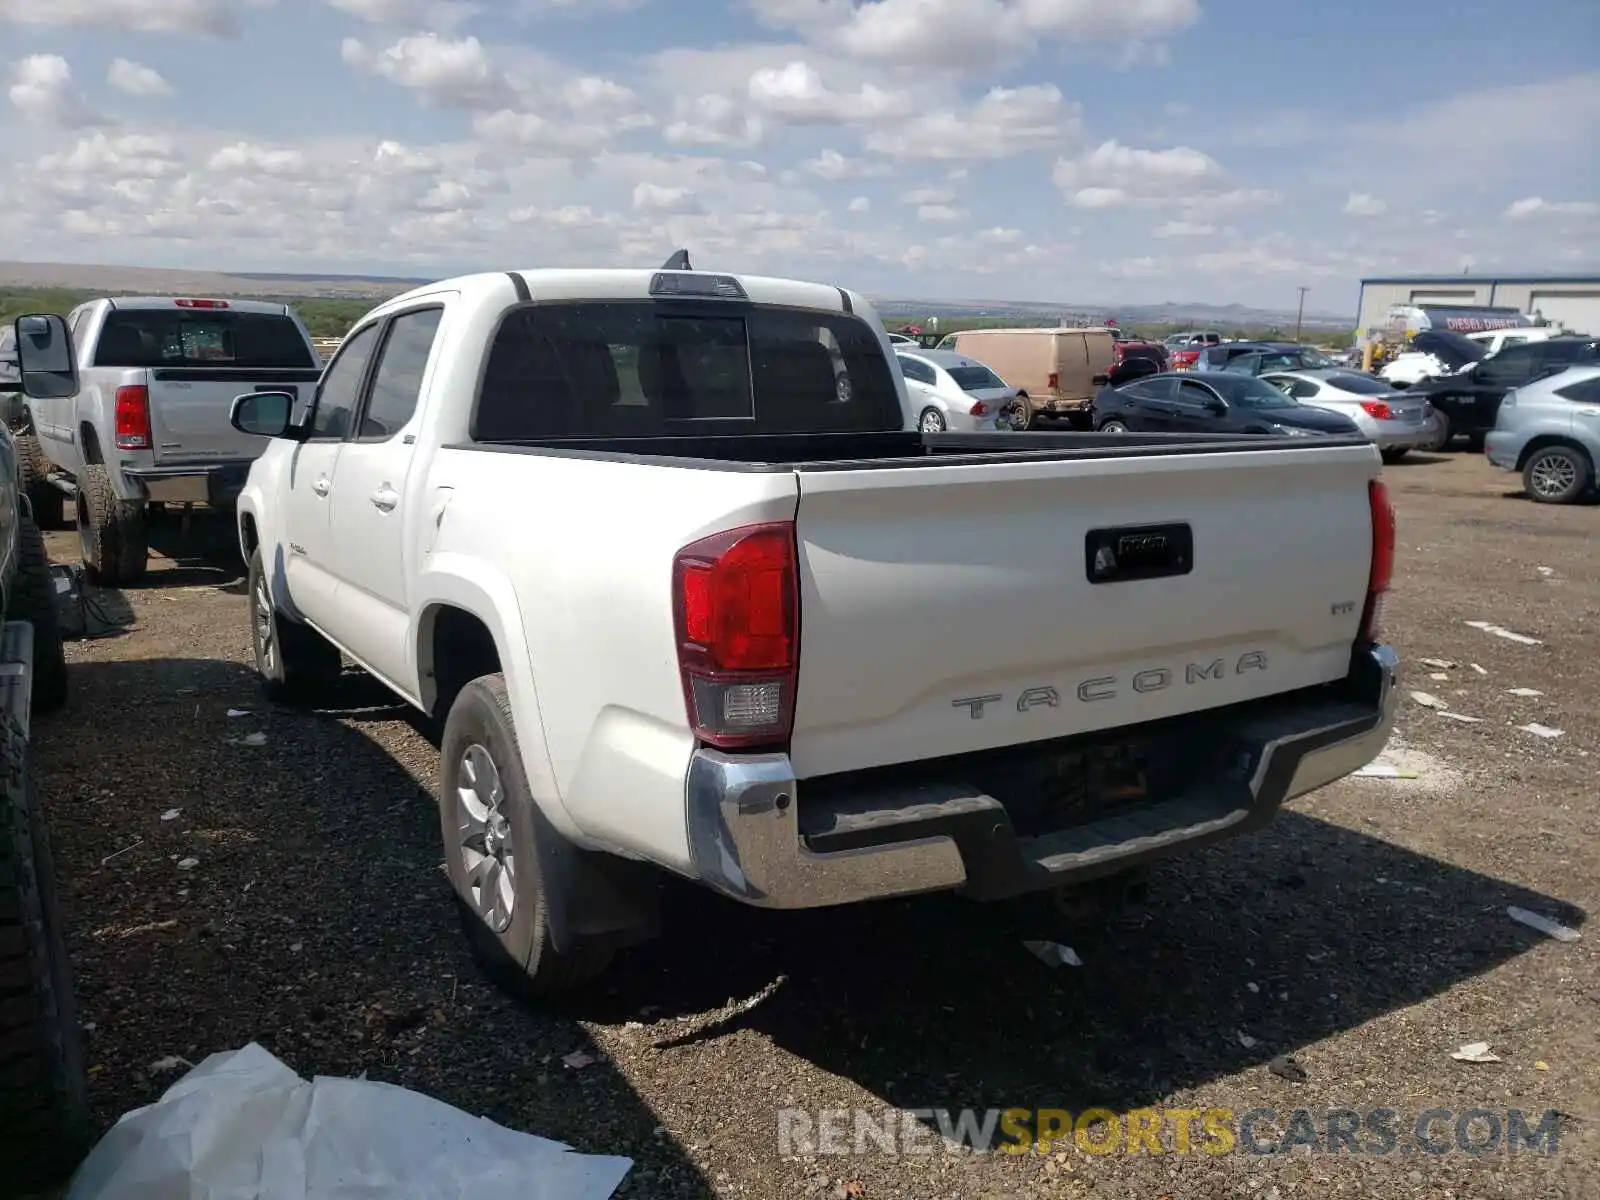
(1571,301)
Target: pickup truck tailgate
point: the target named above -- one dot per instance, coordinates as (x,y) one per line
(190,407)
(950,608)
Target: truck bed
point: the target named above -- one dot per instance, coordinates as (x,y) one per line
(856,451)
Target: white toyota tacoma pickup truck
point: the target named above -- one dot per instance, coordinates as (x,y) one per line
(683,600)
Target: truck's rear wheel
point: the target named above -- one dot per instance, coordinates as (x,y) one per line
(296,664)
(34,601)
(33,470)
(1019,412)
(492,833)
(44,1114)
(112,536)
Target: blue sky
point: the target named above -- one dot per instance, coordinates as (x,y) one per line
(1070,150)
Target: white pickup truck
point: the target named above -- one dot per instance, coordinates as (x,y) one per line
(683,600)
(148,420)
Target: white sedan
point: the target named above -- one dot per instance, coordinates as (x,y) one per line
(1394,421)
(954,392)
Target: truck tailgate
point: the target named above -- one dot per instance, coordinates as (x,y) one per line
(949,608)
(189,408)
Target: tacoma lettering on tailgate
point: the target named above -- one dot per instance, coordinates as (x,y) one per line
(1109,687)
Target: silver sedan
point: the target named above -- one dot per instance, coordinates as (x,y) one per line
(1395,421)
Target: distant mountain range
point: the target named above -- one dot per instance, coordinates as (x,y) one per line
(168,281)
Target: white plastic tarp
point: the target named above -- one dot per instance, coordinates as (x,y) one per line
(242,1126)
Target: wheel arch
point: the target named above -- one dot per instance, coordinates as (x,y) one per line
(1545,441)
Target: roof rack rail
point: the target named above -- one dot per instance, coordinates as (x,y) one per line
(678,262)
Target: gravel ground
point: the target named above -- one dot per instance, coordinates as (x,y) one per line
(1364,932)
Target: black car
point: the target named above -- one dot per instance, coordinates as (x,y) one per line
(1469,400)
(1252,358)
(1210,402)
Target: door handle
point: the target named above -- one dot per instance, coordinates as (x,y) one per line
(322,486)
(385,498)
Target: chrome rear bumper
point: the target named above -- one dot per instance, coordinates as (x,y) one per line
(746,838)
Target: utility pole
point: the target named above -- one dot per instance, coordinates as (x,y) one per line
(1300,312)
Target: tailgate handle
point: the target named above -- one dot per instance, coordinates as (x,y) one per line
(1138,552)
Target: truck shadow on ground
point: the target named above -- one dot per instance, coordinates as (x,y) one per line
(1290,935)
(205,551)
(315,922)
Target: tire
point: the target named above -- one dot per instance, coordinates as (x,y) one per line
(931,420)
(1394,456)
(112,536)
(1020,413)
(44,1114)
(33,600)
(295,663)
(33,469)
(1447,433)
(507,923)
(1557,475)
(1113,426)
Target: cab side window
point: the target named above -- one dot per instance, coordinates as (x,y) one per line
(340,389)
(397,382)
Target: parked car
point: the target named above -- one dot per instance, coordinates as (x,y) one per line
(1210,402)
(1054,369)
(1549,430)
(949,391)
(1434,353)
(1252,358)
(1183,349)
(1127,349)
(724,669)
(149,423)
(903,339)
(45,1123)
(1495,340)
(1395,421)
(1468,401)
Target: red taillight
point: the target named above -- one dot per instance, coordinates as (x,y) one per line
(1376,409)
(980,409)
(1382,571)
(1053,382)
(201,303)
(133,418)
(736,600)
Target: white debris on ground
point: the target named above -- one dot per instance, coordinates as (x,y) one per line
(1428,701)
(1543,731)
(1475,1052)
(1054,954)
(1524,692)
(1404,768)
(1544,925)
(243,1124)
(1500,631)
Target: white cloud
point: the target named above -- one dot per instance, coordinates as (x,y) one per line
(796,93)
(136,80)
(447,72)
(653,198)
(410,14)
(928,195)
(940,212)
(1183,229)
(1113,174)
(206,18)
(1005,122)
(999,236)
(860,204)
(1538,206)
(833,166)
(970,35)
(1361,204)
(42,90)
(712,120)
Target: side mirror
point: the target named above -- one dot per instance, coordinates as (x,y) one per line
(44,357)
(264,414)
(1213,405)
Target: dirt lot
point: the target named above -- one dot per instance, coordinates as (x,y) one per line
(1365,932)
